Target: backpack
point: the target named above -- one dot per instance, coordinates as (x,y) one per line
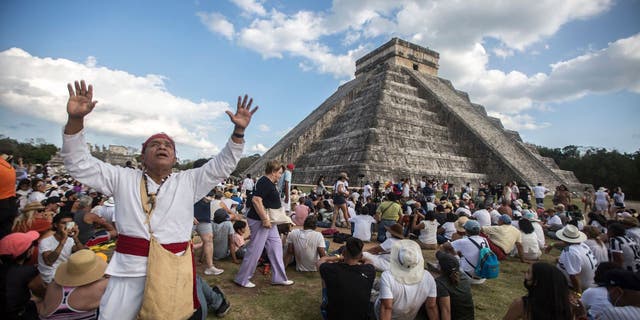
(488,266)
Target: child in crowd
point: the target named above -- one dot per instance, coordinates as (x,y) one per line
(239,243)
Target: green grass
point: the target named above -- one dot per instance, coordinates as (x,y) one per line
(302,300)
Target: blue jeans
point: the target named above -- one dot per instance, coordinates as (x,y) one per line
(382,232)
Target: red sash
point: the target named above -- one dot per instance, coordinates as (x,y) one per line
(140,247)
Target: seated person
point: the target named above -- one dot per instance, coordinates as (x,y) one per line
(454,289)
(553,224)
(623,288)
(307,245)
(379,256)
(77,288)
(346,284)
(361,223)
(300,212)
(222,234)
(56,249)
(505,236)
(211,299)
(468,249)
(428,229)
(406,286)
(17,278)
(87,222)
(238,245)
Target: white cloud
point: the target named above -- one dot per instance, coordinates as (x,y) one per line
(258,148)
(457,30)
(91,62)
(251,7)
(128,106)
(519,122)
(264,128)
(217,23)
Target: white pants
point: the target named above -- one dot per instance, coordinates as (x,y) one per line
(123,298)
(378,261)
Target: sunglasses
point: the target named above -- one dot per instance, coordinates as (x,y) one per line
(40,210)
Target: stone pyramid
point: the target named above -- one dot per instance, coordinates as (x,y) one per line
(397,119)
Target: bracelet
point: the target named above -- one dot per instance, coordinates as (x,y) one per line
(238,135)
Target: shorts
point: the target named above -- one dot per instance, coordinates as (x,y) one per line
(339,200)
(204,228)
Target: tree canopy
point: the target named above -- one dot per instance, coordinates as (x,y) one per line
(600,167)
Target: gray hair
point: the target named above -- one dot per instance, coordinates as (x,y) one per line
(85,202)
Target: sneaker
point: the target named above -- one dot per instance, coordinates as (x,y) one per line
(224,308)
(286,283)
(213,271)
(248,285)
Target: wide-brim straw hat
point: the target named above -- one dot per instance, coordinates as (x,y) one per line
(571,234)
(406,261)
(83,267)
(36,205)
(459,224)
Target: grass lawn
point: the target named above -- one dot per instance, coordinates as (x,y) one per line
(302,300)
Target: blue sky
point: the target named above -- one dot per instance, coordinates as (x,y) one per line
(559,73)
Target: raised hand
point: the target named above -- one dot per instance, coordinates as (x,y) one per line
(80,102)
(243,114)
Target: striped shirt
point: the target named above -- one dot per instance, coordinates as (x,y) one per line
(630,252)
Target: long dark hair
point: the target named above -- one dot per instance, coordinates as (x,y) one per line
(525,226)
(548,296)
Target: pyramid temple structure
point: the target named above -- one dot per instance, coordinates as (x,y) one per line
(397,119)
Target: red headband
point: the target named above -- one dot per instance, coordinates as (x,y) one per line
(160,135)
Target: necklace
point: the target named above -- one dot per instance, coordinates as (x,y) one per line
(151,196)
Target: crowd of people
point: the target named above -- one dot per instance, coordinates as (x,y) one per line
(154,213)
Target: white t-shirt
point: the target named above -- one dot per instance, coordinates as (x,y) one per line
(463,211)
(407,299)
(305,245)
(429,232)
(495,216)
(630,252)
(247,184)
(578,260)
(36,196)
(539,191)
(449,229)
(555,220)
(530,245)
(49,244)
(362,227)
(469,252)
(405,190)
(483,217)
(367,191)
(599,251)
(595,300)
(537,228)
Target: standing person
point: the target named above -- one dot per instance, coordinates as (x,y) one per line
(164,206)
(264,235)
(202,217)
(587,199)
(284,185)
(602,201)
(548,296)
(340,193)
(346,284)
(407,286)
(539,193)
(618,198)
(8,201)
(320,188)
(247,185)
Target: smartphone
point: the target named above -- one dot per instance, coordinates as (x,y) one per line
(69,226)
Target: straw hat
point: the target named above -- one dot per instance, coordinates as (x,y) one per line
(395,230)
(459,224)
(36,205)
(83,267)
(571,234)
(407,263)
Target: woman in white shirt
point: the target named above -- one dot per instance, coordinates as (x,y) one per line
(597,246)
(531,249)
(428,228)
